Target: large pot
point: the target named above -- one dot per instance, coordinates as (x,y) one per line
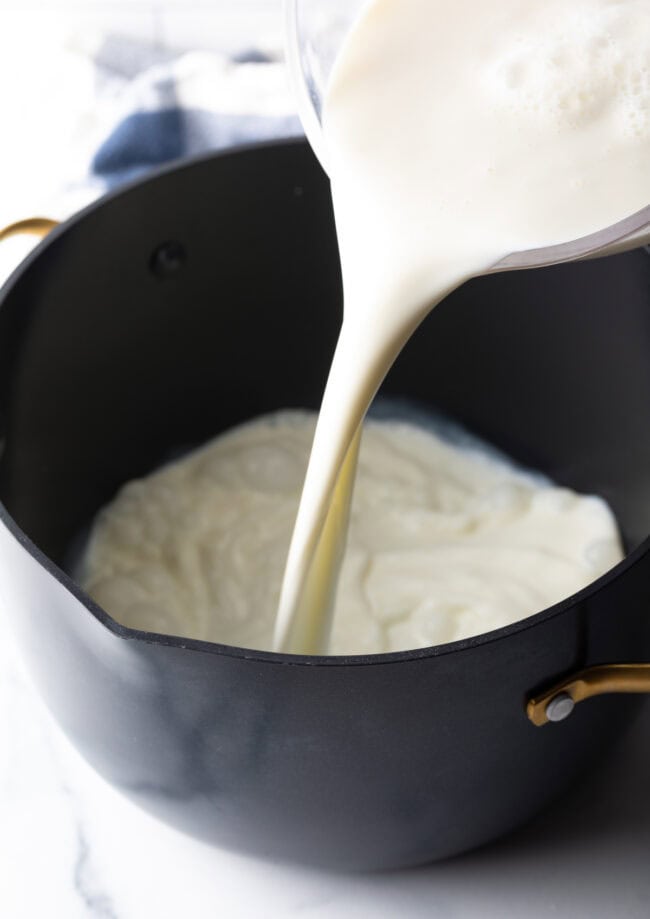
(206,295)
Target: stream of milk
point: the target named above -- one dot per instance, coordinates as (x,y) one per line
(456,134)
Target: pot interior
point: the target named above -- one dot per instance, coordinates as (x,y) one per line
(211,294)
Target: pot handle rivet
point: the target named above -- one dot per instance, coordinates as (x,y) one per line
(560,708)
(167,259)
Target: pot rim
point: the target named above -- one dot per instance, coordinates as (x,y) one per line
(271,657)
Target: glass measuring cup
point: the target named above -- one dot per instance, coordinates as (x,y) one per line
(315,31)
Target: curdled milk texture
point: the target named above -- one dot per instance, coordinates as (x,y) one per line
(445,542)
(456,133)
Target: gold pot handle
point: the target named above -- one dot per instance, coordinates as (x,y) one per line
(559,702)
(33,226)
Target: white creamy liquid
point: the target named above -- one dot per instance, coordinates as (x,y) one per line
(445,542)
(456,133)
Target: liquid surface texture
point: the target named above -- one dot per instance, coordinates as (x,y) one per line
(445,541)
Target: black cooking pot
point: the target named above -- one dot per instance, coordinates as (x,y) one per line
(207,295)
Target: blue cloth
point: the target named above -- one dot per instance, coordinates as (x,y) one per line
(164,125)
(145,140)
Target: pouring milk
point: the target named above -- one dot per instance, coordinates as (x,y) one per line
(456,134)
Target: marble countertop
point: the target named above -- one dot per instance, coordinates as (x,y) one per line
(72,848)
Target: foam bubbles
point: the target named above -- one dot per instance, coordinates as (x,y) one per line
(577,64)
